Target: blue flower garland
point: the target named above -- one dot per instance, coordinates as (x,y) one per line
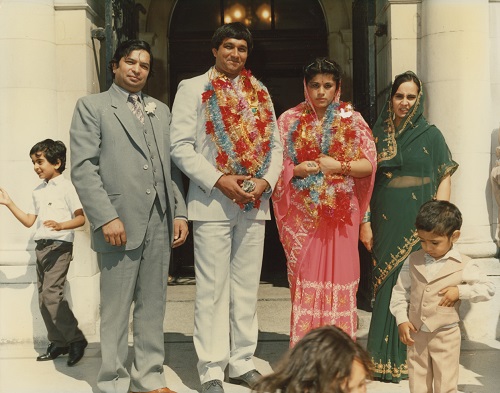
(314,181)
(225,144)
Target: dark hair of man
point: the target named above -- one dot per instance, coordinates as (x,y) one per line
(322,65)
(402,78)
(236,30)
(124,49)
(439,217)
(54,152)
(321,362)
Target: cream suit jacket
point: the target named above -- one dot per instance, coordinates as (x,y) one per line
(194,152)
(109,164)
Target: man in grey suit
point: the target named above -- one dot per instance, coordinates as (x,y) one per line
(133,198)
(225,139)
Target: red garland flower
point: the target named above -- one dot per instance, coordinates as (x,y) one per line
(206,95)
(262,96)
(210,128)
(222,158)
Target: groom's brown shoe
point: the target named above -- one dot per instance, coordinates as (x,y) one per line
(161,390)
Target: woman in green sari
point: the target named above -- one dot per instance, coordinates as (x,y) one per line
(414,166)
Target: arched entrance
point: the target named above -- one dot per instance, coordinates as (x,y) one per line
(286,34)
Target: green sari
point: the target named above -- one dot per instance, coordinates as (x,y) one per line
(411,162)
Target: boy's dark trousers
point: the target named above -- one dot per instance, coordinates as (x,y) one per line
(52,264)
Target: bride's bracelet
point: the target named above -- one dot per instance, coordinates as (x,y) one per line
(345,167)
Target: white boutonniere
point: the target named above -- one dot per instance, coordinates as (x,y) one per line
(345,114)
(150,108)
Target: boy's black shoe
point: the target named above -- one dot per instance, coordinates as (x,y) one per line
(76,351)
(52,353)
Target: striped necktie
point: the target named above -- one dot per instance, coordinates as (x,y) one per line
(136,107)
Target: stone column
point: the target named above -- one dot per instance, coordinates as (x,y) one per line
(28,114)
(48,63)
(494,11)
(398,24)
(455,68)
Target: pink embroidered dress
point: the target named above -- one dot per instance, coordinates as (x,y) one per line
(318,217)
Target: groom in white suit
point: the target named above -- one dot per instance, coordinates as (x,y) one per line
(225,139)
(133,197)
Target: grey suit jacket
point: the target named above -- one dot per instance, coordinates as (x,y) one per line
(194,153)
(109,166)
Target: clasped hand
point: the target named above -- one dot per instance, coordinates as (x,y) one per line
(230,186)
(324,163)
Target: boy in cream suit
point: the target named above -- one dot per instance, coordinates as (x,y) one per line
(427,295)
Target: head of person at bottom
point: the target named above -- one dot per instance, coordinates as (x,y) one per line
(132,65)
(438,226)
(325,360)
(231,45)
(322,80)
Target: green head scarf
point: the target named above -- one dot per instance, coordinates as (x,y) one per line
(387,137)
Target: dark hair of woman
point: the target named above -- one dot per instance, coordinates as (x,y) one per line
(321,362)
(402,78)
(322,65)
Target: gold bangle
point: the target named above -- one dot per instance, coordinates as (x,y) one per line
(345,167)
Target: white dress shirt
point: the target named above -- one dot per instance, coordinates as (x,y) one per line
(55,200)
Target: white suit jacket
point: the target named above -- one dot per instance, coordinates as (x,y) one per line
(194,152)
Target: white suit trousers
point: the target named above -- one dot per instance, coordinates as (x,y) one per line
(228,261)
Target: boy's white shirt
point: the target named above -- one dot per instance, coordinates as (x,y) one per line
(475,285)
(54,200)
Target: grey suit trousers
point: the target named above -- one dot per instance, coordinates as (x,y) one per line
(137,276)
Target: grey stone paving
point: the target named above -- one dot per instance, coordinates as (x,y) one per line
(20,373)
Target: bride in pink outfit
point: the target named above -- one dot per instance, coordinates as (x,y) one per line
(320,200)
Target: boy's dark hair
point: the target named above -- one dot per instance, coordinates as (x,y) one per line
(236,30)
(53,151)
(124,49)
(322,65)
(439,217)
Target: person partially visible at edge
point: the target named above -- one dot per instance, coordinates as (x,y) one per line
(414,165)
(321,198)
(57,211)
(427,296)
(225,139)
(325,360)
(134,199)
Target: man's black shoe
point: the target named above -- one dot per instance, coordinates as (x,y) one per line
(76,351)
(52,353)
